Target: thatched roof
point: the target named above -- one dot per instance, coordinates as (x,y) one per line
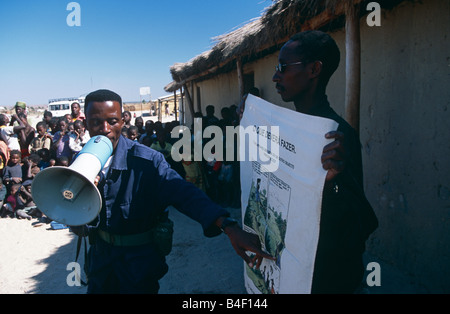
(172,86)
(262,35)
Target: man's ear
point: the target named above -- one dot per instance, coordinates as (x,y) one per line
(316,68)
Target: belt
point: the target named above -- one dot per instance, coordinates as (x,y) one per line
(126,240)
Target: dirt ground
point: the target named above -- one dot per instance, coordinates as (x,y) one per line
(34,260)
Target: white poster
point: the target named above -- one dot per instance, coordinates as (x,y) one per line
(282,180)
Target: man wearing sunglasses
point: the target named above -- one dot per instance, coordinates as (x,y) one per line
(306,63)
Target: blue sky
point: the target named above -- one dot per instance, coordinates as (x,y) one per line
(121,45)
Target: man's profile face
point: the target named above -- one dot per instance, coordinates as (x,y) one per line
(105,118)
(126,117)
(294,80)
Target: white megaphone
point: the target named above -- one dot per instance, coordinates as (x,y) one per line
(68,194)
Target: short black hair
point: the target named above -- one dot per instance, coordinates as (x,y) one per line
(42,124)
(132,128)
(78,122)
(318,46)
(102,95)
(15,152)
(34,158)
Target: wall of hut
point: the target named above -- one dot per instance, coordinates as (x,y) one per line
(405,137)
(220,91)
(405,114)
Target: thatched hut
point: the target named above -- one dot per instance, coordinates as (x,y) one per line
(392,85)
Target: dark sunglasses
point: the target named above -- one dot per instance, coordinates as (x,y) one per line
(282,67)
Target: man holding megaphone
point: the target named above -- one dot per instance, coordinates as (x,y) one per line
(132,233)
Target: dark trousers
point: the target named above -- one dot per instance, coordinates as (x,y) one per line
(124,270)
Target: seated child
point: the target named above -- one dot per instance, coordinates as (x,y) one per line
(25,205)
(30,167)
(11,203)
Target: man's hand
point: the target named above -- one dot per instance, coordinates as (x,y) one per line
(243,241)
(334,155)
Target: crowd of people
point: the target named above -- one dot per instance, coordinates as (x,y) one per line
(218,179)
(54,141)
(26,150)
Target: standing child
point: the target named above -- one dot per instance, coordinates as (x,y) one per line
(12,173)
(53,126)
(126,116)
(193,172)
(78,137)
(161,145)
(61,141)
(226,184)
(10,133)
(139,123)
(26,135)
(41,140)
(213,167)
(133,133)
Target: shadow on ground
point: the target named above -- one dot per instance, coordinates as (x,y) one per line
(53,280)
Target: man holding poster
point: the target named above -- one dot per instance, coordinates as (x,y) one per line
(311,213)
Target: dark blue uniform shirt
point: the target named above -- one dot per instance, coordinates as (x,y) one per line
(140,185)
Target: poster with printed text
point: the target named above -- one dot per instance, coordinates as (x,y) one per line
(282,180)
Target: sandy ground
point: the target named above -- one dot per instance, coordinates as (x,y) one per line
(34,261)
